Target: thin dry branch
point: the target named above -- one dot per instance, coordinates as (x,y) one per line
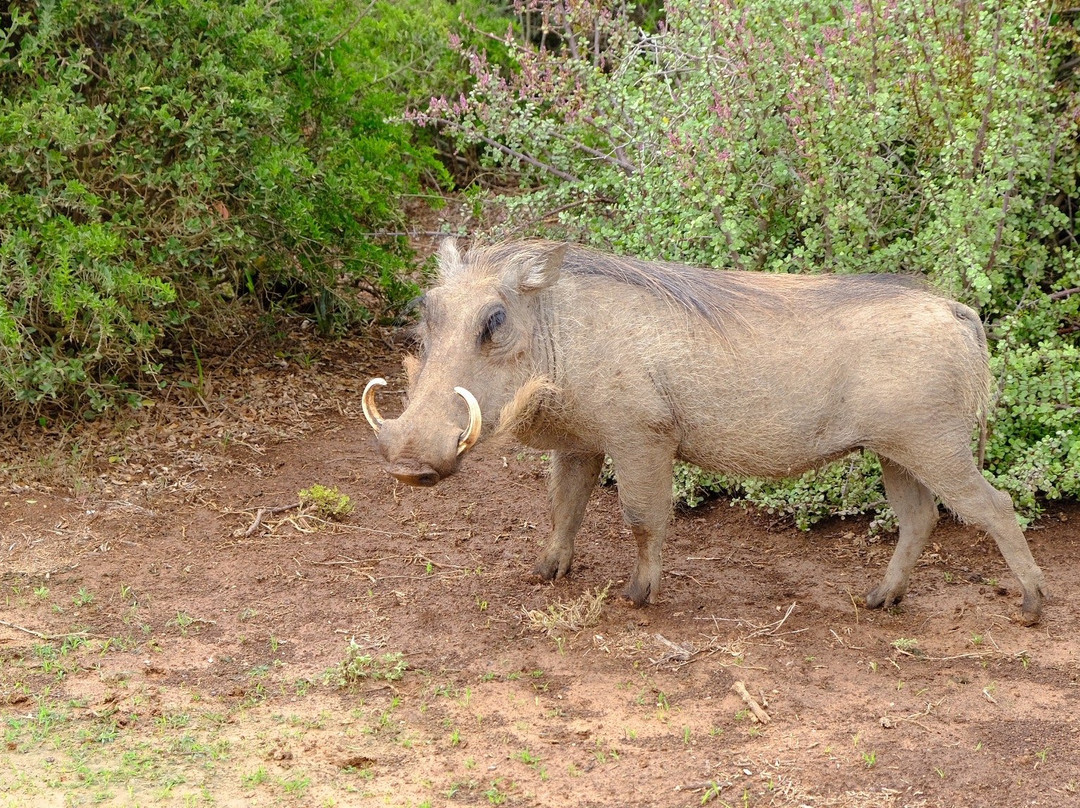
(770,629)
(757,712)
(1064,293)
(262,513)
(49,637)
(676,653)
(527,158)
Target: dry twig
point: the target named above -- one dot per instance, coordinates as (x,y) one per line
(262,513)
(757,713)
(49,637)
(679,653)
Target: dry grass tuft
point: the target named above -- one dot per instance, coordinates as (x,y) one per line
(569,617)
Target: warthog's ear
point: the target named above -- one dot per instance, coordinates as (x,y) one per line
(535,271)
(450,263)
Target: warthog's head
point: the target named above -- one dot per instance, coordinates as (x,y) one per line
(477,366)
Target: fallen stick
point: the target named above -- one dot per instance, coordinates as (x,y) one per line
(49,637)
(264,512)
(756,711)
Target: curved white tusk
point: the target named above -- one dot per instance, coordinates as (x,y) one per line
(371,412)
(472,432)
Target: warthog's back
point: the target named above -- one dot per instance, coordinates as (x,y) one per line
(764,374)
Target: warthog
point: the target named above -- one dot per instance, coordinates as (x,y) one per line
(583,353)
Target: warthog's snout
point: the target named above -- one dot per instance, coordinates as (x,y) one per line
(421,452)
(411,472)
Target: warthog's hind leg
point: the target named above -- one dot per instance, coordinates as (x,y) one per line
(644,479)
(572,480)
(954,477)
(916,513)
(977,502)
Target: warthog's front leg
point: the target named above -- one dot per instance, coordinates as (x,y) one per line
(572,480)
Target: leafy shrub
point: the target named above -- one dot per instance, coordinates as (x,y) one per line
(164,163)
(919,137)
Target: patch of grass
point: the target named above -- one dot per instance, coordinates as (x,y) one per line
(297,785)
(712,791)
(359,665)
(526,757)
(495,795)
(173,720)
(255,778)
(185,622)
(569,616)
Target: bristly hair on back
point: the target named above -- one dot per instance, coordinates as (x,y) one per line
(714,296)
(720,297)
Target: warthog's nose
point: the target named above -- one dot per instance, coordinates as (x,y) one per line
(422,475)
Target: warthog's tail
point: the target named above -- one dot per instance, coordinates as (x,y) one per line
(984,394)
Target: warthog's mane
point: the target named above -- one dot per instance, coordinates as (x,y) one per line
(720,297)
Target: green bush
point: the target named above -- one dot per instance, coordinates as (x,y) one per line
(917,137)
(164,164)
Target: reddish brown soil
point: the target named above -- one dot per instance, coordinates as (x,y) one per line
(202,646)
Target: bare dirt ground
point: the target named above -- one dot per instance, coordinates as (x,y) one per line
(165,642)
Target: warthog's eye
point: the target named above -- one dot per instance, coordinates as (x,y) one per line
(494,320)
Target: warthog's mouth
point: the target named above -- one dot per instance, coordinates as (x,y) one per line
(423,475)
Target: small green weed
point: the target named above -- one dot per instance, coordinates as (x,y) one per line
(359,665)
(526,757)
(495,795)
(296,786)
(328,503)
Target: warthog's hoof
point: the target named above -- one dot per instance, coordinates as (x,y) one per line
(1027,618)
(548,569)
(639,593)
(882,597)
(1031,611)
